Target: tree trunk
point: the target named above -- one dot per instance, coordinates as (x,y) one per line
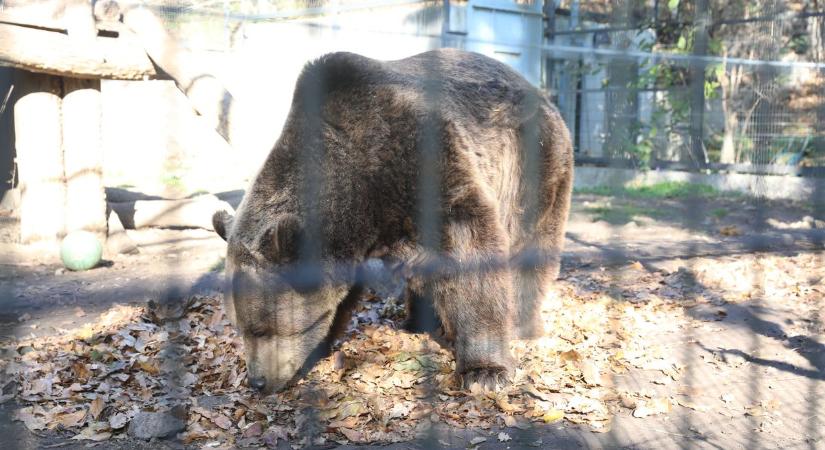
(622,99)
(83,156)
(728,155)
(729,81)
(816,33)
(39,144)
(697,85)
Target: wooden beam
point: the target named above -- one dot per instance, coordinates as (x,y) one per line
(55,53)
(207,94)
(51,14)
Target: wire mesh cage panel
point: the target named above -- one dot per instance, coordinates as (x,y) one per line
(441,224)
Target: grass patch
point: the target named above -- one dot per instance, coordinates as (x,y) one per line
(719,213)
(172,181)
(218,265)
(667,189)
(620,214)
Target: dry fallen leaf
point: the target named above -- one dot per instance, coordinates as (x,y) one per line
(254,429)
(352,435)
(400,409)
(691,405)
(553,415)
(730,230)
(652,407)
(73,419)
(477,440)
(503,402)
(591,373)
(513,422)
(221,421)
(96,407)
(32,422)
(503,437)
(570,356)
(88,434)
(118,421)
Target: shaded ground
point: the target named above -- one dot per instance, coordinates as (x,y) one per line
(703,313)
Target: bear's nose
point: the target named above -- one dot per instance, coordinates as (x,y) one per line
(258,383)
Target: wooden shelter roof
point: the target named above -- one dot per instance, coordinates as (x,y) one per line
(49,37)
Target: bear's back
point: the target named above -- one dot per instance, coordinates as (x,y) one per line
(458,85)
(371,117)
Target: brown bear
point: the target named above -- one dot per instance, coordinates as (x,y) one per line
(448,163)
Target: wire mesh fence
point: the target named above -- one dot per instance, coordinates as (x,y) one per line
(673,300)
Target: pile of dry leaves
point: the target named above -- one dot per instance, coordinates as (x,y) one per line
(148,371)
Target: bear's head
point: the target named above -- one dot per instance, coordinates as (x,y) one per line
(286,311)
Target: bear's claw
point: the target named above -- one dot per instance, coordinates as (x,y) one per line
(485,378)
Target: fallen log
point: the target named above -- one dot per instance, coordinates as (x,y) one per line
(193,212)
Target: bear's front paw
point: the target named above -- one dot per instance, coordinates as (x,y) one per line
(485,378)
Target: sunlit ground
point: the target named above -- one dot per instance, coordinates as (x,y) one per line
(688,338)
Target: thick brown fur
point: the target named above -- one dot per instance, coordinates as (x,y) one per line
(343,183)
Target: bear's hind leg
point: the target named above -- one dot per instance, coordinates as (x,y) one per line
(537,265)
(475,304)
(538,256)
(531,286)
(421,315)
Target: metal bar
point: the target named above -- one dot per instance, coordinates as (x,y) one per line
(525,12)
(289,14)
(558,49)
(771,18)
(593,30)
(752,169)
(684,24)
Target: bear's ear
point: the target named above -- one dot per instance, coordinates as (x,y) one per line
(222,223)
(281,242)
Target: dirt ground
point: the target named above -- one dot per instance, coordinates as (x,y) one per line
(703,315)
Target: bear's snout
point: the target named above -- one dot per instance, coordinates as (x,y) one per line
(257,383)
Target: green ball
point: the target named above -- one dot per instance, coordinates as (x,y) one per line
(80,250)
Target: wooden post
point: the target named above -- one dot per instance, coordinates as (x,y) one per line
(83,157)
(38,140)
